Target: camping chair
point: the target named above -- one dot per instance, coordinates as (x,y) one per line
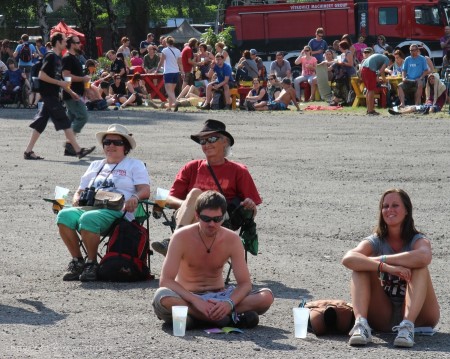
(141,216)
(242,220)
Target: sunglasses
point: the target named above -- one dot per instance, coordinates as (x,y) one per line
(76,42)
(212,139)
(113,142)
(208,219)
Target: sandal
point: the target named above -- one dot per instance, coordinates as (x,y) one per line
(85,151)
(31,156)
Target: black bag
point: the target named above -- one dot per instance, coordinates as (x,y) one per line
(126,258)
(97,105)
(218,101)
(25,53)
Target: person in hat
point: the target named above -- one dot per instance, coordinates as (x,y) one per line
(192,273)
(262,73)
(115,173)
(197,176)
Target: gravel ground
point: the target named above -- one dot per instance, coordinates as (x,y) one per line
(320,174)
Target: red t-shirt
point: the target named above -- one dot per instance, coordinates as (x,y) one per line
(186,55)
(233,177)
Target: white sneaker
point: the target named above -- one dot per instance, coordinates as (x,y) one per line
(405,336)
(361,334)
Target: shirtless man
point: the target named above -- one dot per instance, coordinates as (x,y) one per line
(283,100)
(192,273)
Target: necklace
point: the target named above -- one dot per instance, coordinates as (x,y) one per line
(208,250)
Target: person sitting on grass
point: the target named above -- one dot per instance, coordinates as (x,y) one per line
(138,93)
(436,98)
(396,256)
(191,274)
(286,96)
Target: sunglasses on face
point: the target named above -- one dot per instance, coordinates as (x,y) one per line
(76,42)
(212,139)
(113,142)
(208,219)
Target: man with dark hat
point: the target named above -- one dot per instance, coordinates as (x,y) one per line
(216,172)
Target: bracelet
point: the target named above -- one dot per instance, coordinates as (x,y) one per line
(136,196)
(234,315)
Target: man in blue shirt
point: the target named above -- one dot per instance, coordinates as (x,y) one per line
(24,52)
(414,71)
(318,45)
(224,79)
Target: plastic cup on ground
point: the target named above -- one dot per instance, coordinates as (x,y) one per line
(161,196)
(61,194)
(179,316)
(301,317)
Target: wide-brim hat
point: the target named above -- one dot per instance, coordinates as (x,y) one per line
(116,129)
(213,126)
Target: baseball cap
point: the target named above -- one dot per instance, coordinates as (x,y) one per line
(253,52)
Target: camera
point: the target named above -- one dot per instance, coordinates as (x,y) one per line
(87,197)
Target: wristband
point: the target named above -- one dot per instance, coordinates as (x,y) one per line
(136,196)
(234,315)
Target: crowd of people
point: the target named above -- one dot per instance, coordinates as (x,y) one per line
(396,255)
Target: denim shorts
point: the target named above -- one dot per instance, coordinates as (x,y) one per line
(171,78)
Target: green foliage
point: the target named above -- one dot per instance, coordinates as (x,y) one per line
(225,36)
(104,63)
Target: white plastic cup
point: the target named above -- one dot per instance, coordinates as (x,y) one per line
(179,316)
(301,317)
(161,196)
(68,79)
(61,194)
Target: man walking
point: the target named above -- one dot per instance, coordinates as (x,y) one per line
(76,108)
(50,85)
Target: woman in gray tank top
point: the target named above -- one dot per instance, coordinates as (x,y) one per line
(391,285)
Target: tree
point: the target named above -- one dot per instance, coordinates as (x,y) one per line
(87,12)
(41,14)
(137,20)
(112,23)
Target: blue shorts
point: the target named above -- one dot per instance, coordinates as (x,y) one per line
(276,106)
(171,78)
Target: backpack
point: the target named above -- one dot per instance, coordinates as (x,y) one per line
(25,53)
(126,258)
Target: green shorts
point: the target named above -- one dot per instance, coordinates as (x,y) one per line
(95,221)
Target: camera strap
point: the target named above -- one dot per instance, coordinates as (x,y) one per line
(100,170)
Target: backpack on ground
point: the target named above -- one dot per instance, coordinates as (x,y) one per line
(126,258)
(25,53)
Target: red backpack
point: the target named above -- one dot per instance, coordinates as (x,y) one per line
(126,258)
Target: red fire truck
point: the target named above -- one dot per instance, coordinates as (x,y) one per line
(271,25)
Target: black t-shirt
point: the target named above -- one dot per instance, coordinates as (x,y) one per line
(119,90)
(52,66)
(117,66)
(71,63)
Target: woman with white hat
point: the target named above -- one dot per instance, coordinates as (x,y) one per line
(116,173)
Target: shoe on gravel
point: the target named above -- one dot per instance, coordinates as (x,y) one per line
(247,320)
(161,247)
(89,273)
(405,336)
(85,151)
(74,270)
(361,334)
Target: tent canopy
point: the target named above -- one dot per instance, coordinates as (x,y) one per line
(67,30)
(184,32)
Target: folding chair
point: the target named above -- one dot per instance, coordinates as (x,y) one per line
(141,216)
(247,232)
